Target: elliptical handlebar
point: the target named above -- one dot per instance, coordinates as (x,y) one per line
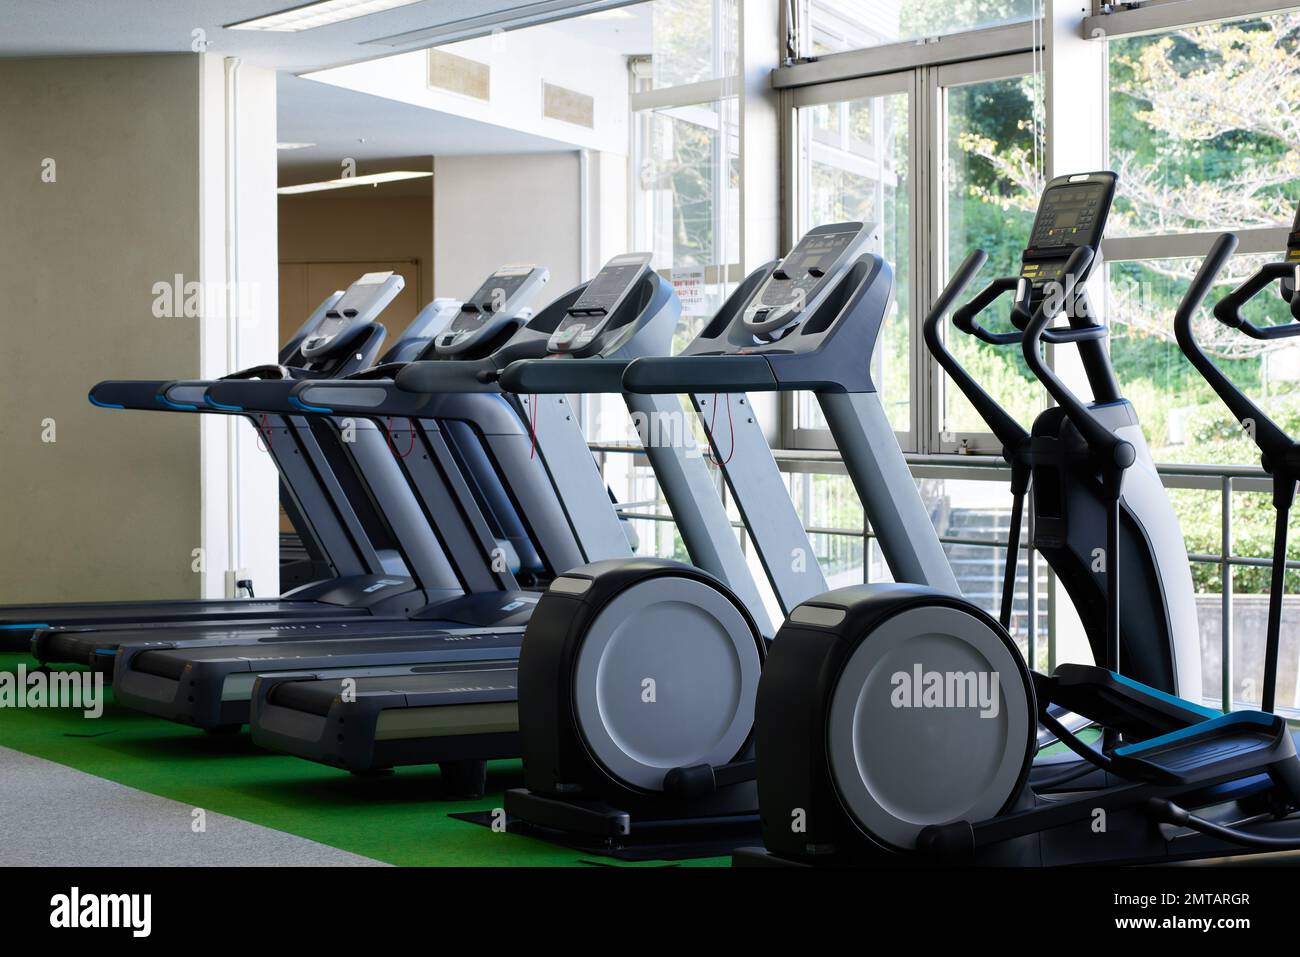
(967,317)
(1274,443)
(1107,447)
(1228,309)
(1008,431)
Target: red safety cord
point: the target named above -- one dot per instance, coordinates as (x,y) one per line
(731,428)
(388,434)
(264,435)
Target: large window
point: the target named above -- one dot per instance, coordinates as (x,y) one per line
(991,180)
(1205,135)
(854,164)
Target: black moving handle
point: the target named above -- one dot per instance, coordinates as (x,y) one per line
(1007,430)
(1111,453)
(1279,454)
(1275,445)
(1228,309)
(1108,449)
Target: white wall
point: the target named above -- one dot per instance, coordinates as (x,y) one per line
(113,508)
(519,61)
(489,210)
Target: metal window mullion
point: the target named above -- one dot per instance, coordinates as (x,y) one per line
(1262,239)
(1163,17)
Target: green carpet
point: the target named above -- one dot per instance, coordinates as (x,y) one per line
(397,819)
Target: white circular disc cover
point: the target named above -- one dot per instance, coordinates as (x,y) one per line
(666,677)
(929,723)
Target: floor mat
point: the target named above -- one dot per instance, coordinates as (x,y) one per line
(398,819)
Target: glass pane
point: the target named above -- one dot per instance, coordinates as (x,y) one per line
(1183,419)
(829,508)
(693,40)
(853,166)
(1202,129)
(835,25)
(993,179)
(686,206)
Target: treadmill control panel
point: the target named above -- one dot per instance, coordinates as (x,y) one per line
(798,280)
(587,318)
(498,301)
(362,301)
(1072,212)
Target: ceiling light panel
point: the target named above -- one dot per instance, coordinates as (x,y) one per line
(313,15)
(373,179)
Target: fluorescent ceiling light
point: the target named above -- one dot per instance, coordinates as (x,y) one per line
(615,13)
(293,146)
(374,179)
(313,15)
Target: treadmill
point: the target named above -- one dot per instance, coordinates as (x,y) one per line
(339,338)
(205,679)
(359,463)
(466,714)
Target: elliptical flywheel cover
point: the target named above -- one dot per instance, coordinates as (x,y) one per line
(930,721)
(666,677)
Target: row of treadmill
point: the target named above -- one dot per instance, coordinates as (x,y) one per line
(485,598)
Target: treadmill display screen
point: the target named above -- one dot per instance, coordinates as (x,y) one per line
(608,287)
(588,316)
(1293,241)
(808,263)
(493,296)
(358,299)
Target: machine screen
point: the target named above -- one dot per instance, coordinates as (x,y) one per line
(608,287)
(805,267)
(1070,216)
(500,288)
(597,303)
(356,300)
(1293,241)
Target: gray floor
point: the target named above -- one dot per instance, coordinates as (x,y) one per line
(51,815)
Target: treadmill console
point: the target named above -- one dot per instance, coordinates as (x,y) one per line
(1072,213)
(361,303)
(590,314)
(799,279)
(499,301)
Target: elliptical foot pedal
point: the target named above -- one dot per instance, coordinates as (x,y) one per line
(594,819)
(464,779)
(761,857)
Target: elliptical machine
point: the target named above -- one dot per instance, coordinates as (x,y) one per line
(882,737)
(1159,634)
(600,757)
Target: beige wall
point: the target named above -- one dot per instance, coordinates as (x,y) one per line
(374,232)
(489,210)
(110,509)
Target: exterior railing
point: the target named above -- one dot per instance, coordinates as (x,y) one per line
(1226,479)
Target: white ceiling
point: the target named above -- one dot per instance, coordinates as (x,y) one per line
(380,134)
(71,27)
